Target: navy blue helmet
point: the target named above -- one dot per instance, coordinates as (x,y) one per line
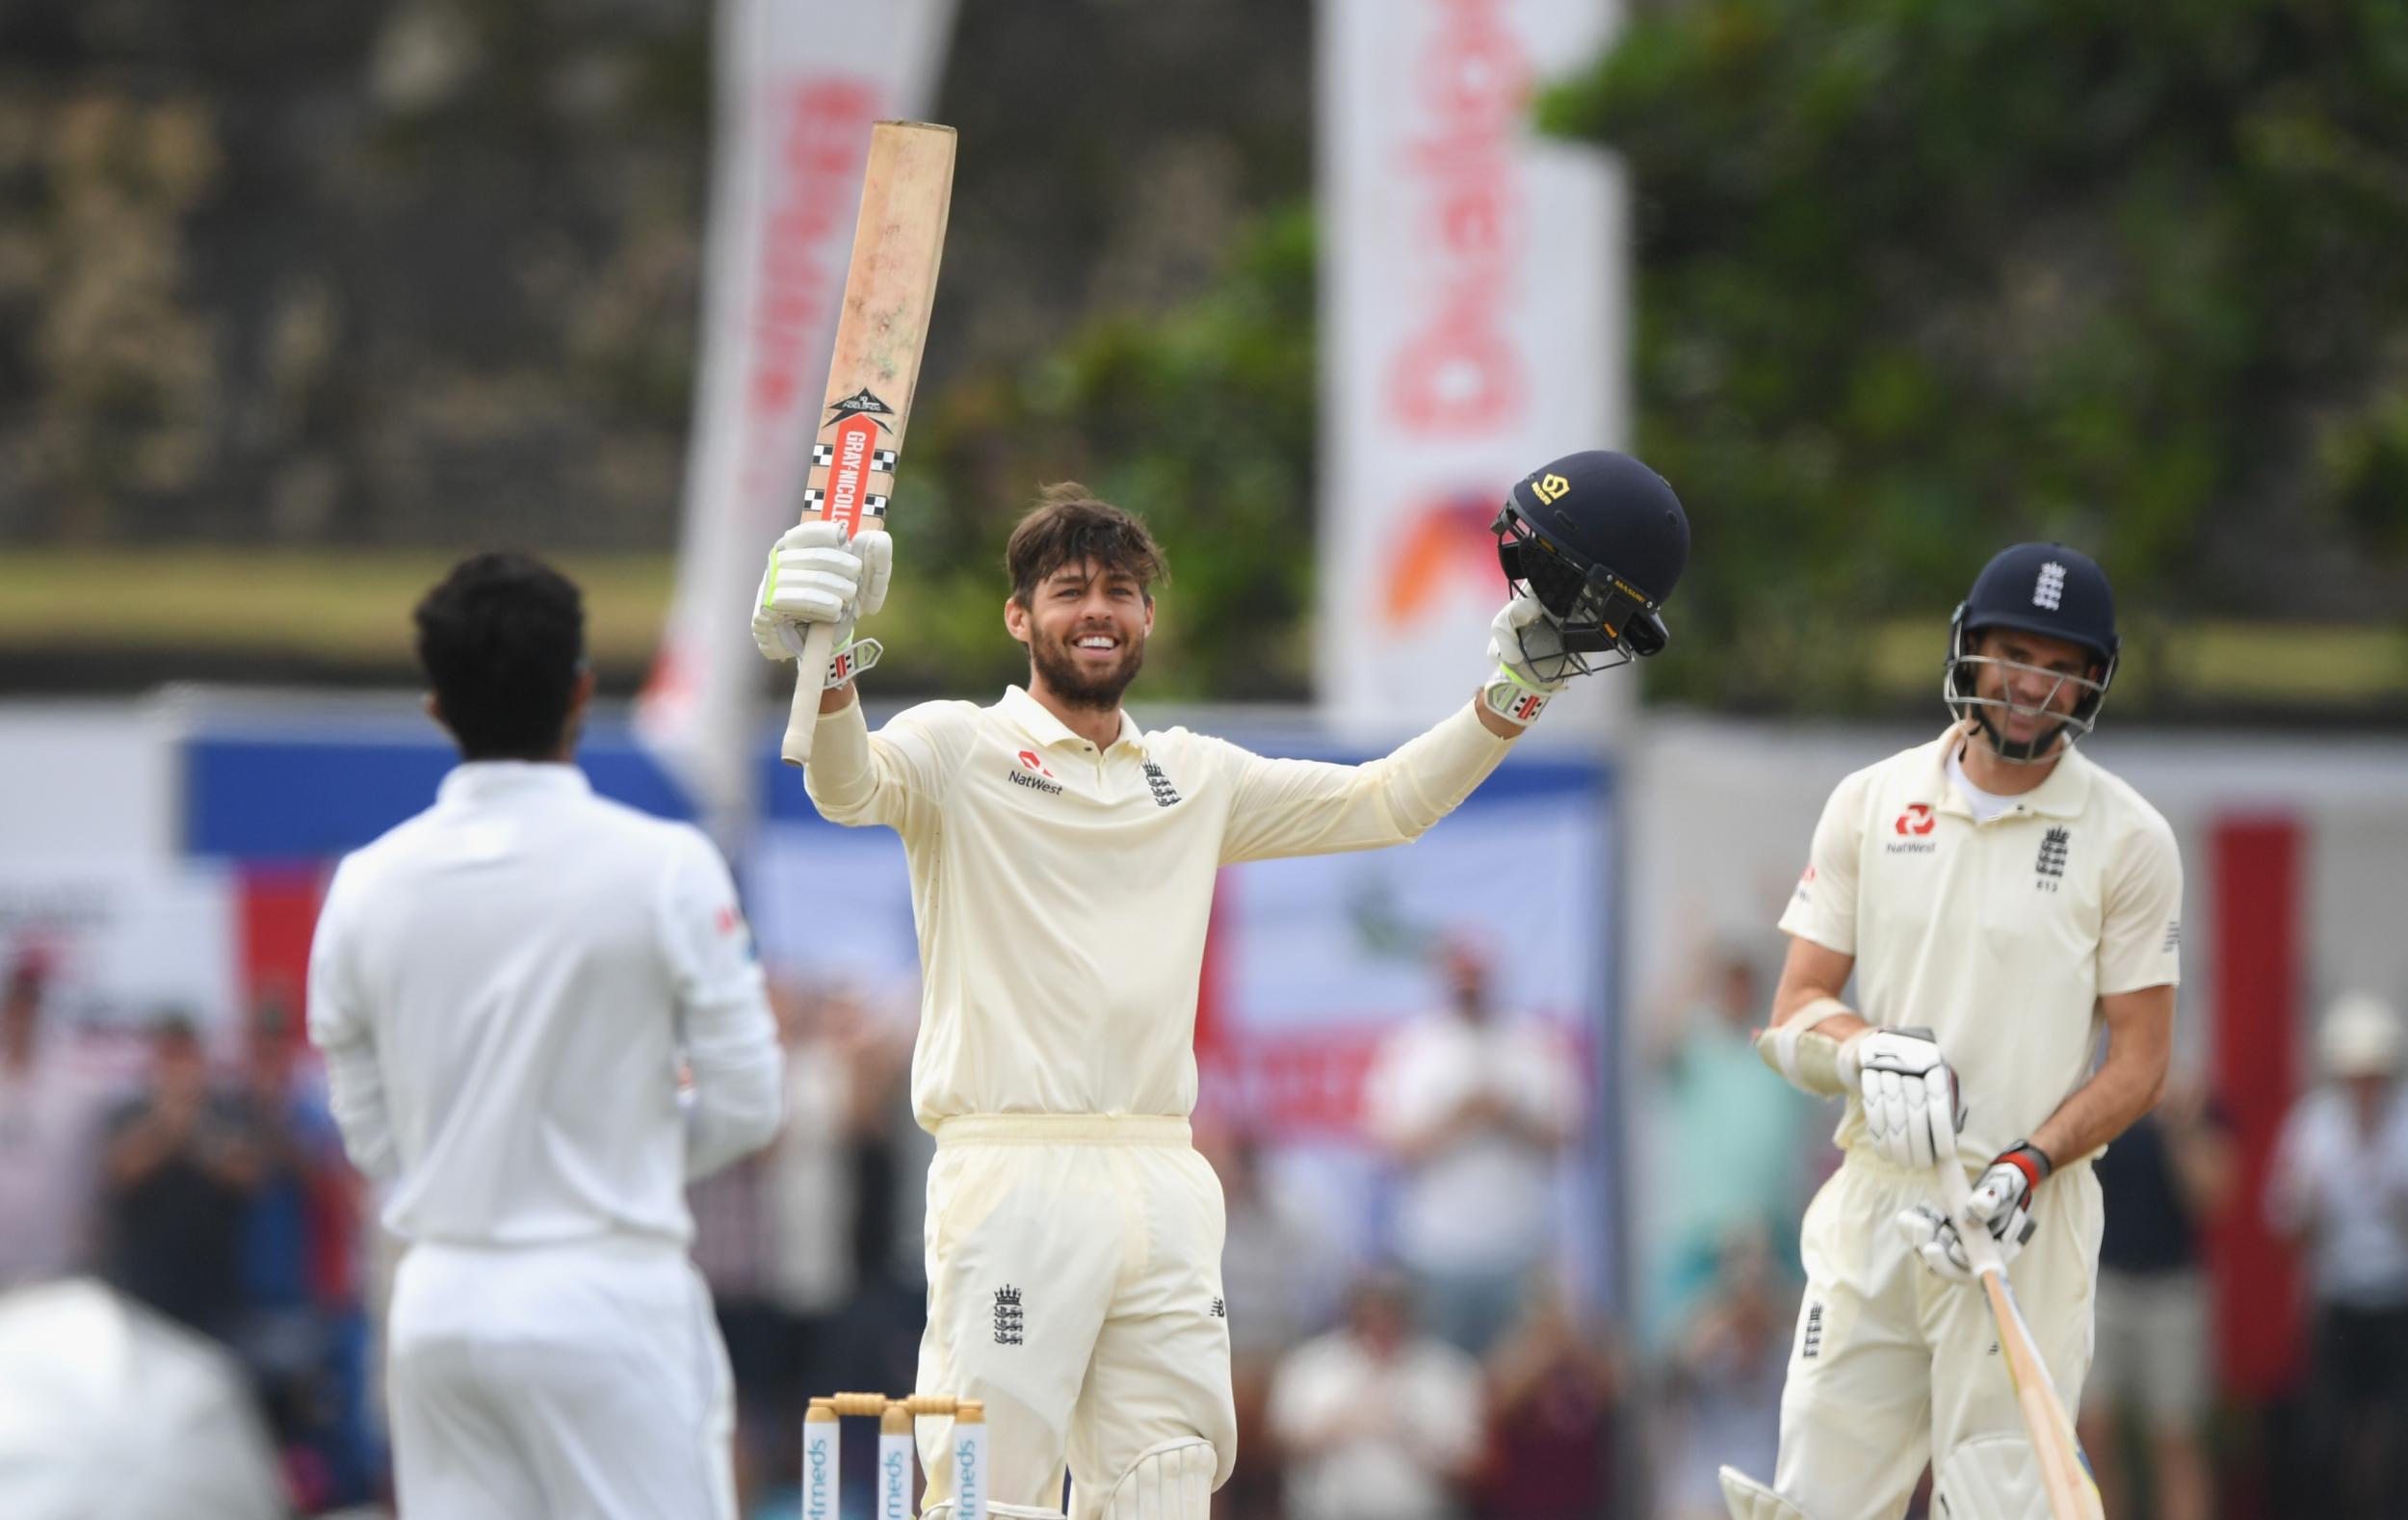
(2043,589)
(1601,540)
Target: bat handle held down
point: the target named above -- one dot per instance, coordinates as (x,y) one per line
(1957,1195)
(819,646)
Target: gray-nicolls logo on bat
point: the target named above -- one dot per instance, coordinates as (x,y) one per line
(861,403)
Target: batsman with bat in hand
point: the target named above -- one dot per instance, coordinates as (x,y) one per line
(2003,901)
(1062,863)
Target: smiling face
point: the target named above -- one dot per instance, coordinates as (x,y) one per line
(2035,681)
(1085,625)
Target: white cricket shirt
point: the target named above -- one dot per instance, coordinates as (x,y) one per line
(504,987)
(1062,892)
(2000,937)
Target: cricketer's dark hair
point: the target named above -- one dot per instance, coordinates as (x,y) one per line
(503,639)
(1070,526)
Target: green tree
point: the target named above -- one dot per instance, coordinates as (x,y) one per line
(1199,419)
(1918,277)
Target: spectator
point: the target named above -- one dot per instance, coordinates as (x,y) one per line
(1476,1106)
(1551,1390)
(180,1164)
(1376,1421)
(1725,1377)
(301,1310)
(1734,1141)
(2163,1179)
(47,1112)
(2340,1188)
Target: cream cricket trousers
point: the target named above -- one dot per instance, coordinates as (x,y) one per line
(1074,1286)
(581,1381)
(1892,1364)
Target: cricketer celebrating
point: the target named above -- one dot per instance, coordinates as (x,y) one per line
(1062,863)
(2000,899)
(506,988)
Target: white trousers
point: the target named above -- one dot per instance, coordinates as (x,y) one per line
(1074,1286)
(1892,1364)
(571,1383)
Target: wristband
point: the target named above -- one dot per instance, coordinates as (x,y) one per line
(856,656)
(1513,699)
(2030,1160)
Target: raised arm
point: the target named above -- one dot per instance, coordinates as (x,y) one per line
(1311,807)
(896,777)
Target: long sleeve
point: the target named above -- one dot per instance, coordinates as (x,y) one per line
(895,776)
(344,1034)
(725,1023)
(1311,807)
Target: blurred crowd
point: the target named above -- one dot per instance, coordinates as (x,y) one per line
(1449,1368)
(210,1186)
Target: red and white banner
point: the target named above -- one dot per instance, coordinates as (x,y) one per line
(800,83)
(1472,328)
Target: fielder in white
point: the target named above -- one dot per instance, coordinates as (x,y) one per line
(1062,863)
(541,1019)
(2001,902)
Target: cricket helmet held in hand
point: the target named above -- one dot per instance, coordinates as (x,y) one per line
(1601,540)
(2043,589)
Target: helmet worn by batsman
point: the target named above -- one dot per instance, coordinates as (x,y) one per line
(1600,541)
(2052,591)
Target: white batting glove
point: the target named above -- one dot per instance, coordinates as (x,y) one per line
(1525,640)
(1933,1237)
(1908,1093)
(2002,1196)
(815,575)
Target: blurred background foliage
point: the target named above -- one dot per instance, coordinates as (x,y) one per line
(1917,278)
(341,288)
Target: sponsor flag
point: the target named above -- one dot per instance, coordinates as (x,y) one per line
(1472,328)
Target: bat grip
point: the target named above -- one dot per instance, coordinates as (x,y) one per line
(1956,1196)
(802,719)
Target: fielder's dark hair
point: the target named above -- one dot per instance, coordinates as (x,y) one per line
(503,639)
(1069,525)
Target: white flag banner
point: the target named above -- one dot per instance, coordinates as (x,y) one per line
(1472,328)
(800,83)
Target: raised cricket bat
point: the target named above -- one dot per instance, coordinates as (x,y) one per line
(897,245)
(2064,1470)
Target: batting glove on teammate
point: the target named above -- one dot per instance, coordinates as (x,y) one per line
(1525,641)
(2002,1196)
(2001,1202)
(817,575)
(1909,1095)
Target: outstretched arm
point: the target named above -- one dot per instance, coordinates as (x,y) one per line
(1312,808)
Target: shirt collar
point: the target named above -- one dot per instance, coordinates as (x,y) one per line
(483,780)
(1039,723)
(2062,794)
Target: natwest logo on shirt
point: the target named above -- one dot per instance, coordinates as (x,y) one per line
(1916,820)
(1029,758)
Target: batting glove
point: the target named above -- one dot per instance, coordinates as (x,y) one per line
(1911,1112)
(1523,640)
(2002,1196)
(1526,642)
(1934,1236)
(817,575)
